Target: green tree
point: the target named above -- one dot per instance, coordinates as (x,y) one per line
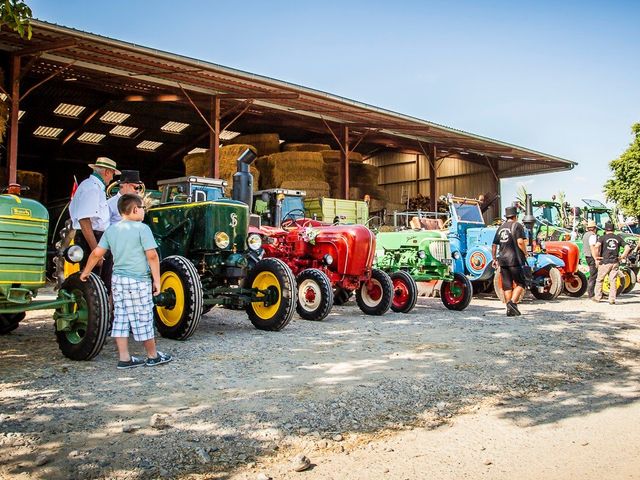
(623,188)
(16,15)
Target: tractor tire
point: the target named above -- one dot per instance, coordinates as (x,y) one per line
(341,296)
(10,321)
(274,275)
(553,290)
(576,285)
(497,288)
(85,340)
(482,286)
(633,278)
(405,292)
(180,321)
(456,294)
(374,297)
(606,284)
(315,295)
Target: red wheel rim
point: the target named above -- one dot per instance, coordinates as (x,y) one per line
(453,291)
(400,293)
(310,295)
(374,291)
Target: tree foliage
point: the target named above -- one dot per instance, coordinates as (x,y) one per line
(16,15)
(624,187)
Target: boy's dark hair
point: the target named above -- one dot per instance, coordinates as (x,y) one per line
(128,202)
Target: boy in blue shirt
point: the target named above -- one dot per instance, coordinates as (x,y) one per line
(136,277)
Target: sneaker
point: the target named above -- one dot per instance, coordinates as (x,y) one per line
(133,362)
(612,302)
(513,308)
(159,360)
(594,299)
(510,313)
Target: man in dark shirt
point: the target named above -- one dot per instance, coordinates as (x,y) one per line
(609,257)
(511,244)
(589,240)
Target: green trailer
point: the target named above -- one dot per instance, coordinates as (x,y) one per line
(336,210)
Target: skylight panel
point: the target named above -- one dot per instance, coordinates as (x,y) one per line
(69,110)
(174,127)
(114,117)
(93,138)
(47,132)
(148,146)
(228,134)
(197,150)
(123,131)
(21,114)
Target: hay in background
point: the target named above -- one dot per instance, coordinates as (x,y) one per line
(335,155)
(26,178)
(313,189)
(305,147)
(264,143)
(4,117)
(290,166)
(198,164)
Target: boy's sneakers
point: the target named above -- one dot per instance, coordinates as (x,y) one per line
(159,360)
(512,310)
(133,362)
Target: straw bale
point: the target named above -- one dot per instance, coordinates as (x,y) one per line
(335,155)
(291,166)
(313,189)
(305,147)
(264,143)
(198,164)
(4,113)
(33,180)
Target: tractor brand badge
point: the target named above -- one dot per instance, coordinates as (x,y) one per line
(234,220)
(478,261)
(21,212)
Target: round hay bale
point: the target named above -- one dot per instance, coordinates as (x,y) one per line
(26,178)
(305,147)
(335,155)
(264,143)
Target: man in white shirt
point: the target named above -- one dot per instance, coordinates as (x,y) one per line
(129,183)
(89,212)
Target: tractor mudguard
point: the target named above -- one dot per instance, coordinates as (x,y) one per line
(544,260)
(478,263)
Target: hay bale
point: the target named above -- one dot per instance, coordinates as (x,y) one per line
(291,166)
(4,117)
(305,147)
(335,155)
(198,164)
(26,178)
(264,143)
(313,189)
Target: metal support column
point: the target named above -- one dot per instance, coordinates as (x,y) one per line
(345,161)
(433,178)
(214,138)
(12,147)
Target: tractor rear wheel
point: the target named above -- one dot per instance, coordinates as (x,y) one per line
(178,322)
(576,285)
(315,295)
(456,294)
(497,287)
(606,285)
(552,288)
(9,321)
(405,292)
(275,276)
(341,296)
(633,278)
(86,336)
(374,297)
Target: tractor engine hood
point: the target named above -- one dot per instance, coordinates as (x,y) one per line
(351,246)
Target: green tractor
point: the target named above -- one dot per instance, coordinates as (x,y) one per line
(82,312)
(209,257)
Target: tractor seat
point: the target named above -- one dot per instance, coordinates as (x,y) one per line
(426,223)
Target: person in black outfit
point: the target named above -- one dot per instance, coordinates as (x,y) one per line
(609,261)
(511,244)
(589,240)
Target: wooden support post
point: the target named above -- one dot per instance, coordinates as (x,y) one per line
(12,147)
(345,161)
(214,139)
(433,178)
(417,174)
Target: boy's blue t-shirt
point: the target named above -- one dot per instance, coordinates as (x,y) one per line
(128,241)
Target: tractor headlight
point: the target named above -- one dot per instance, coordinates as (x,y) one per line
(74,254)
(327,259)
(222,240)
(254,241)
(422,254)
(456,255)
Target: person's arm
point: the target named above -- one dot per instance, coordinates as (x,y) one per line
(87,232)
(625,253)
(154,265)
(95,257)
(494,251)
(595,251)
(522,244)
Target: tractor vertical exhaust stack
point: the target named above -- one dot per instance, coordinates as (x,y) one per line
(529,220)
(242,179)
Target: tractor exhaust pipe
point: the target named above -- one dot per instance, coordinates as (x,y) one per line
(242,179)
(529,220)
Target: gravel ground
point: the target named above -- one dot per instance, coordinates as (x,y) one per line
(237,399)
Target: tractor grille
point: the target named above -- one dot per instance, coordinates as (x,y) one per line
(440,250)
(23,250)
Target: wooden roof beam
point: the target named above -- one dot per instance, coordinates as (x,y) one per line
(51,47)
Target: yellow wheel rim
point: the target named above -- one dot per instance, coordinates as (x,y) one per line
(263,281)
(606,284)
(627,280)
(171,316)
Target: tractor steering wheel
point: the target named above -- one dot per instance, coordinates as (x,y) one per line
(290,219)
(447,223)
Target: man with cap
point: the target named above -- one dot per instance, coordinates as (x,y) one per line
(89,212)
(129,183)
(589,240)
(607,250)
(510,242)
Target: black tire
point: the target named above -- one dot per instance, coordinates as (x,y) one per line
(84,342)
(482,286)
(632,283)
(315,295)
(374,297)
(456,294)
(405,292)
(341,296)
(180,321)
(576,285)
(553,290)
(271,273)
(10,321)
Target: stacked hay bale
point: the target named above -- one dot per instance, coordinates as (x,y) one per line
(26,178)
(263,143)
(305,147)
(363,178)
(294,170)
(198,164)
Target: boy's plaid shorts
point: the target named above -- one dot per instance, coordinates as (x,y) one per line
(133,308)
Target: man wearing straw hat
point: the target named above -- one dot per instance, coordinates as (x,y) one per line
(90,212)
(589,240)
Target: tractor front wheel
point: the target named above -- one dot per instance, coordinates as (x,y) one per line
(315,295)
(275,277)
(179,277)
(85,337)
(576,284)
(606,285)
(552,288)
(374,297)
(9,321)
(405,292)
(633,278)
(456,294)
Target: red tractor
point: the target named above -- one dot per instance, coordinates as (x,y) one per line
(575,282)
(329,261)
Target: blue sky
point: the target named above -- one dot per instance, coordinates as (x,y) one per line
(559,77)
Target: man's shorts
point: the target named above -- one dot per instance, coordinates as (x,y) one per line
(133,308)
(510,275)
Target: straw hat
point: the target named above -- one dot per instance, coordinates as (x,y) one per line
(104,162)
(592,224)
